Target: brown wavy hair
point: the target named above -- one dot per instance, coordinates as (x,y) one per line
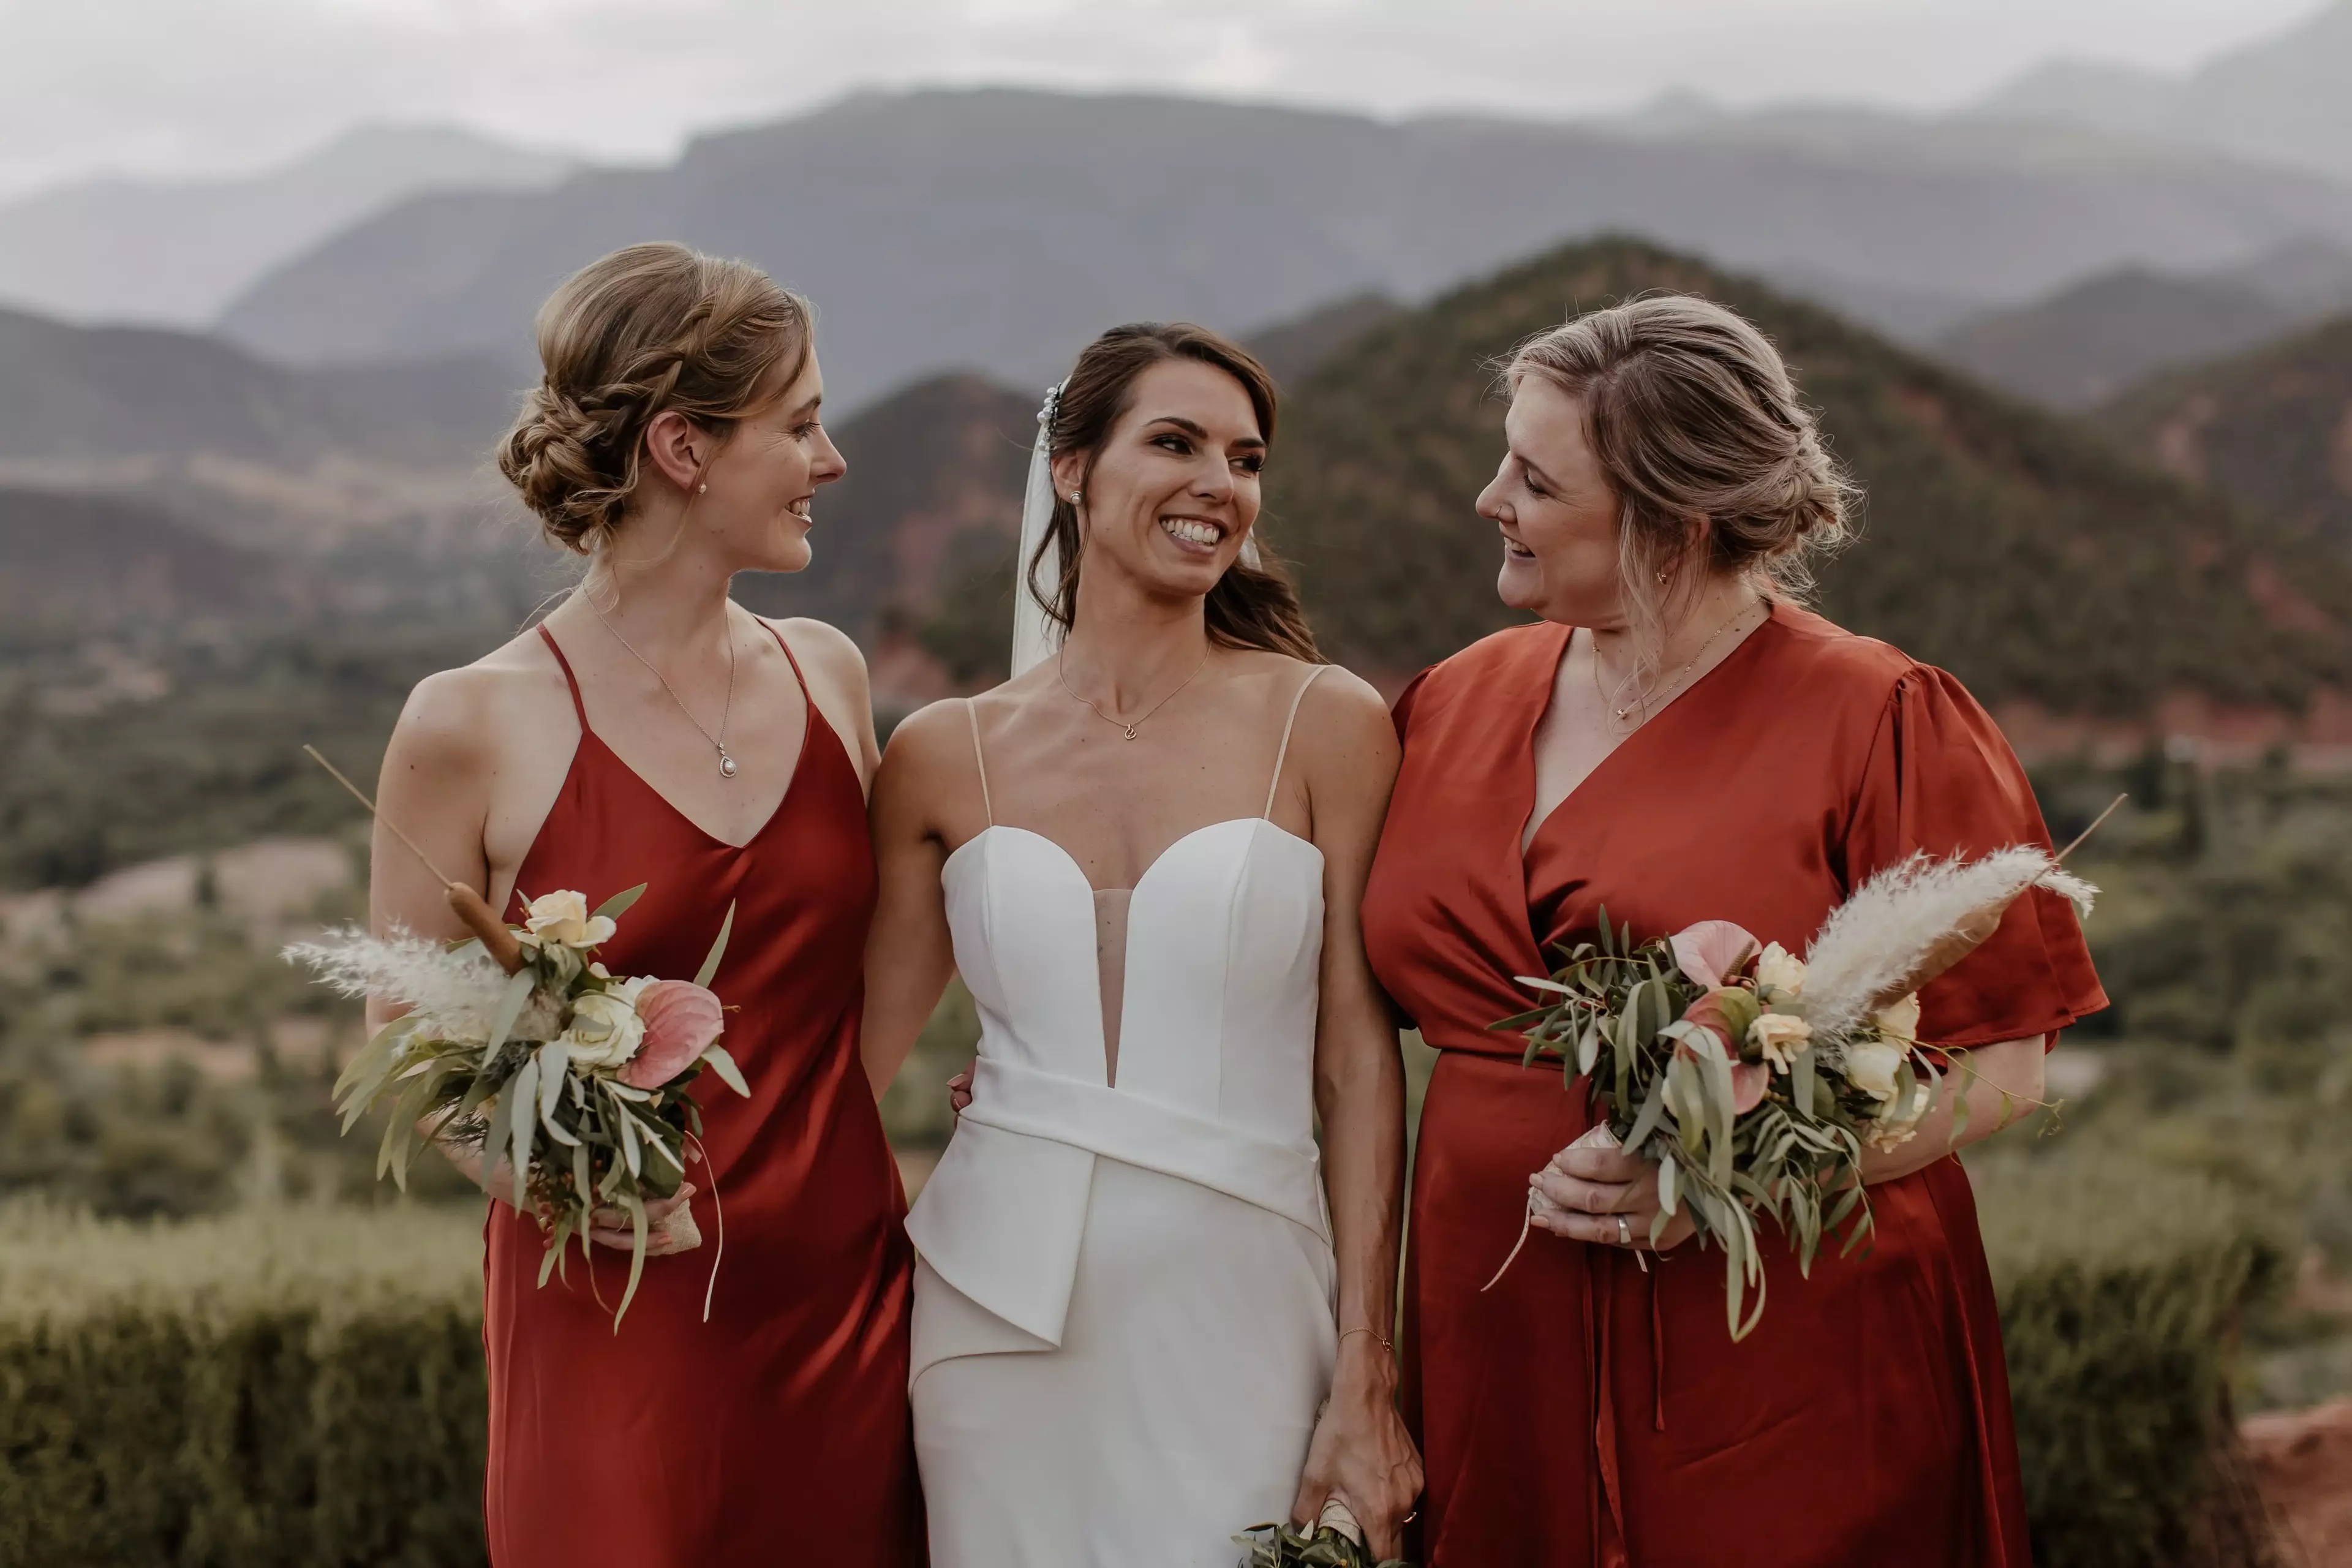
(632,335)
(1251,607)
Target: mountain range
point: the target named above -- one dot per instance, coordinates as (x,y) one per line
(175,252)
(2089,341)
(2270,428)
(996,230)
(2286,98)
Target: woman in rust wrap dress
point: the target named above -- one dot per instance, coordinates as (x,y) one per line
(1677,741)
(652,732)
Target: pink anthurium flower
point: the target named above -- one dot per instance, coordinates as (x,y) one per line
(681,1020)
(1711,952)
(1719,1013)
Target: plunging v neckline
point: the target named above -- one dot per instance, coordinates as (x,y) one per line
(1527,841)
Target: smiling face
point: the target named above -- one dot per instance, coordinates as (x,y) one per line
(1557,515)
(1172,492)
(765,477)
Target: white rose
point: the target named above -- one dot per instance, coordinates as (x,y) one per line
(606,1030)
(562,916)
(1901,1019)
(1778,1036)
(1872,1065)
(1777,969)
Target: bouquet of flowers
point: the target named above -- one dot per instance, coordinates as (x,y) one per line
(519,1040)
(1753,1078)
(1335,1541)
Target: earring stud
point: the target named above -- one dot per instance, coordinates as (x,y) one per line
(1074,498)
(703,488)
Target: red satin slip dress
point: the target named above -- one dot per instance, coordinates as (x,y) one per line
(1584,1413)
(778,1431)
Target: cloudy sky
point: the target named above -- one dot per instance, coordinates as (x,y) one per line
(180,86)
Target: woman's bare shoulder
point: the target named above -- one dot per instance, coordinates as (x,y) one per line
(457,716)
(831,652)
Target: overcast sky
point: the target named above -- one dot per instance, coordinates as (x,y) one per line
(202,85)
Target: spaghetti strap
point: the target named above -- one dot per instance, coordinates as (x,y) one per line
(790,658)
(569,678)
(1282,756)
(971,712)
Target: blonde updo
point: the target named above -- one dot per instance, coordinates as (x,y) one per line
(648,329)
(1692,415)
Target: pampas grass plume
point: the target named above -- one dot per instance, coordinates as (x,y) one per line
(454,993)
(1913,922)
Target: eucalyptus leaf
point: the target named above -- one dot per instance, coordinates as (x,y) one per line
(614,908)
(710,969)
(723,1064)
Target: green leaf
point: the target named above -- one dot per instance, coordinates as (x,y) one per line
(636,1254)
(554,1070)
(629,1153)
(520,986)
(618,904)
(1666,1172)
(724,1066)
(717,950)
(525,1115)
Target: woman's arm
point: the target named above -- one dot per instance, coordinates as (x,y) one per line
(909,951)
(838,681)
(1360,1450)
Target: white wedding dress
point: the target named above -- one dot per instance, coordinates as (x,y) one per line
(1124,1303)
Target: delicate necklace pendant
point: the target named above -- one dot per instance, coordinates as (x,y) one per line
(726,764)
(1132,732)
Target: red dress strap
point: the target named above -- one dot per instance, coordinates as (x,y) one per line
(570,680)
(791,658)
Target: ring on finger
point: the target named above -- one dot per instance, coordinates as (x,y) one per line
(1625,1232)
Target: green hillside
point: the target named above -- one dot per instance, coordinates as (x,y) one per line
(2272,428)
(2024,554)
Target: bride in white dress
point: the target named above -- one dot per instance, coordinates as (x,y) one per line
(1140,1325)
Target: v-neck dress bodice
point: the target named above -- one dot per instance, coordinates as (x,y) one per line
(776,1431)
(1583,1413)
(1124,1310)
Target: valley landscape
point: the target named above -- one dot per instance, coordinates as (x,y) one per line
(2086,343)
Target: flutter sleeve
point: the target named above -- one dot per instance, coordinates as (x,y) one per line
(1940,779)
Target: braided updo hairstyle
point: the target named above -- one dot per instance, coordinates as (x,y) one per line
(1692,414)
(646,330)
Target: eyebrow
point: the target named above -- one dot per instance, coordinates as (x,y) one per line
(1198,434)
(809,406)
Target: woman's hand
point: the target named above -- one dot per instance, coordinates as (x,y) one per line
(1603,1195)
(960,1091)
(1361,1453)
(669,1226)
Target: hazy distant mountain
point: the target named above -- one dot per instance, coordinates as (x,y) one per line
(111,393)
(2272,430)
(2286,98)
(175,251)
(2089,341)
(89,562)
(997,230)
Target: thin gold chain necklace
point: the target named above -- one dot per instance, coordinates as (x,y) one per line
(1126,729)
(1621,714)
(718,742)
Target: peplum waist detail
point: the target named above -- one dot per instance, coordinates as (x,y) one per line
(1002,1216)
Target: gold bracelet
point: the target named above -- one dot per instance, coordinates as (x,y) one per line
(1377,1337)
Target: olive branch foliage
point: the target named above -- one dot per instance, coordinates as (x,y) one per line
(1320,1546)
(1664,1087)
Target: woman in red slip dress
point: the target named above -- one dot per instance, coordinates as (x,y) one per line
(1676,741)
(752,1406)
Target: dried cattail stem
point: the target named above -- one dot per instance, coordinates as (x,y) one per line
(483,922)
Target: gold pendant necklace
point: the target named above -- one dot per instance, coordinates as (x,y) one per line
(718,742)
(1123,728)
(1668,684)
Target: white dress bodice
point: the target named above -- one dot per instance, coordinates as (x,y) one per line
(1225,938)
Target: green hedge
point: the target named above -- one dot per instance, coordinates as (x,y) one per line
(305,1387)
(294,1388)
(2121,1292)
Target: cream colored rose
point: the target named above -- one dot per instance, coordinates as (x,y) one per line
(1872,1065)
(1778,1034)
(606,1030)
(1890,1131)
(1901,1019)
(1777,969)
(562,916)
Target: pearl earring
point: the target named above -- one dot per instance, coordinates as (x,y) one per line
(1074,498)
(1664,578)
(703,488)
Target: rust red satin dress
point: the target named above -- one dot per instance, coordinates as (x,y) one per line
(1584,1413)
(778,1431)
